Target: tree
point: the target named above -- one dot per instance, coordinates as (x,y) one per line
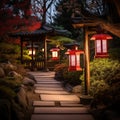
(106,13)
(15,15)
(41,9)
(62,18)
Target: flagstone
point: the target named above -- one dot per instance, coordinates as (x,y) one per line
(49,88)
(60,110)
(59,97)
(51,92)
(48,82)
(71,105)
(48,85)
(43,103)
(61,117)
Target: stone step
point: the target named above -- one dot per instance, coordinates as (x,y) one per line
(43,103)
(52,92)
(48,88)
(61,117)
(60,110)
(72,98)
(48,82)
(44,76)
(48,85)
(46,79)
(71,105)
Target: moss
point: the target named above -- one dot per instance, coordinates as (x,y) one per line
(6,92)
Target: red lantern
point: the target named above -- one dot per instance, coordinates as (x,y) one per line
(74,60)
(55,53)
(101,47)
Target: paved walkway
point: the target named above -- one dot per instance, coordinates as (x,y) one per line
(55,102)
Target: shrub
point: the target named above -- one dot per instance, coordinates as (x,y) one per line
(59,70)
(105,85)
(106,70)
(7,93)
(71,77)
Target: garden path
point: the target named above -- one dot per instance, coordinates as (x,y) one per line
(56,103)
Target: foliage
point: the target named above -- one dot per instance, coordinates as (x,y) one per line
(115,53)
(9,52)
(59,70)
(103,72)
(6,92)
(16,15)
(63,15)
(97,86)
(105,85)
(104,69)
(60,41)
(71,77)
(42,9)
(14,85)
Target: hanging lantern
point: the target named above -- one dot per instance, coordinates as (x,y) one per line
(74,59)
(55,55)
(101,45)
(30,52)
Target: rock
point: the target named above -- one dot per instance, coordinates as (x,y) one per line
(22,98)
(8,67)
(15,75)
(28,81)
(2,73)
(31,76)
(68,87)
(77,89)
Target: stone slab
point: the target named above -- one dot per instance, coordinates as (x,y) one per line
(60,110)
(48,88)
(69,102)
(42,73)
(43,103)
(48,85)
(71,105)
(52,92)
(48,82)
(45,76)
(61,117)
(73,98)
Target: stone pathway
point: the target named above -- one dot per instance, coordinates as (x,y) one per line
(55,102)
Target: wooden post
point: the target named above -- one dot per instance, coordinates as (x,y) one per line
(45,54)
(87,63)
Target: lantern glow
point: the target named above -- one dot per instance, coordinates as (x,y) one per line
(101,47)
(74,60)
(55,53)
(30,52)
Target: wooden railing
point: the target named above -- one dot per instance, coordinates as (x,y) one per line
(34,64)
(39,64)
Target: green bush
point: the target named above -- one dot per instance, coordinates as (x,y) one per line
(9,52)
(105,82)
(106,70)
(14,85)
(7,93)
(71,77)
(59,70)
